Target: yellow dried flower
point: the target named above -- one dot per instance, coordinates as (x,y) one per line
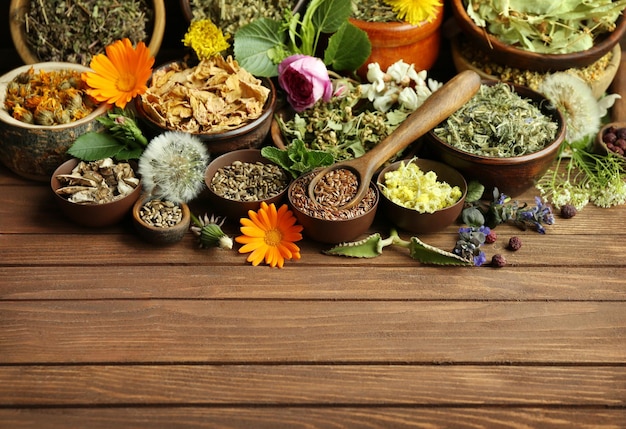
(205,39)
(414,12)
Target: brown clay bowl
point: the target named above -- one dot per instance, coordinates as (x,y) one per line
(512,56)
(19,8)
(92,215)
(248,135)
(330,231)
(417,222)
(234,209)
(157,235)
(512,175)
(618,112)
(35,151)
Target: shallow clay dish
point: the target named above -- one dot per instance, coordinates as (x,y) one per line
(92,215)
(512,175)
(234,209)
(514,57)
(423,223)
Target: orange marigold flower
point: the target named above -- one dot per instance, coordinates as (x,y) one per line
(270,234)
(121,74)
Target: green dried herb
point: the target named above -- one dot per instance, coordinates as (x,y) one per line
(497,122)
(373,11)
(74,31)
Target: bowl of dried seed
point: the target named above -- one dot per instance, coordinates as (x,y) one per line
(160,221)
(240,180)
(324,220)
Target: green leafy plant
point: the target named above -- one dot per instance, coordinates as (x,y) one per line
(262,44)
(297,159)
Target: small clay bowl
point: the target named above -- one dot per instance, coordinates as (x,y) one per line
(512,175)
(417,222)
(249,135)
(512,56)
(326,230)
(235,209)
(599,146)
(159,235)
(91,215)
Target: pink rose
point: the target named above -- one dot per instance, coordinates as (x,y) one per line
(305,80)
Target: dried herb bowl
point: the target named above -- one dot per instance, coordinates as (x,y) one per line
(35,151)
(156,230)
(240,180)
(250,134)
(511,175)
(424,222)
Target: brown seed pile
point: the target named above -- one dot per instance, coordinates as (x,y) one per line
(248,181)
(161,214)
(334,190)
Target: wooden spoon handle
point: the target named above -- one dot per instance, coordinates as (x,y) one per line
(618,86)
(437,107)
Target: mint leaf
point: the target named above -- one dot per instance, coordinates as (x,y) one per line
(297,159)
(93,146)
(255,46)
(348,48)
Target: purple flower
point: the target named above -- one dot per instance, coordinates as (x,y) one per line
(305,80)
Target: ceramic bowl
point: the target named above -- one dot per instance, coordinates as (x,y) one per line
(503,53)
(91,215)
(231,208)
(326,230)
(156,234)
(512,175)
(414,221)
(249,135)
(35,151)
(600,147)
(19,8)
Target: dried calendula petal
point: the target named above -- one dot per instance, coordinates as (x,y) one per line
(214,96)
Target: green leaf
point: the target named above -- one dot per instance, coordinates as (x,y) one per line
(297,159)
(472,216)
(330,15)
(369,247)
(257,46)
(428,254)
(348,48)
(474,191)
(93,146)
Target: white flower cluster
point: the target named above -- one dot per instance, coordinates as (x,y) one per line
(401,84)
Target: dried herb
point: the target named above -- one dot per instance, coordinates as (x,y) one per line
(497,122)
(74,31)
(373,11)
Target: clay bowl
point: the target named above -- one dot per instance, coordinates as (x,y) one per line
(35,151)
(512,175)
(248,135)
(600,145)
(231,208)
(326,230)
(391,41)
(91,215)
(413,220)
(188,11)
(503,53)
(19,8)
(160,235)
(618,118)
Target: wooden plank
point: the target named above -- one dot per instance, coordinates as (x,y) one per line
(236,331)
(275,417)
(294,283)
(355,385)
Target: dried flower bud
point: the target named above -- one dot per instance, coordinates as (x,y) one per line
(491,237)
(568,211)
(498,261)
(515,243)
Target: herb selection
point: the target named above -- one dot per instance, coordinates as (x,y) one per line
(497,122)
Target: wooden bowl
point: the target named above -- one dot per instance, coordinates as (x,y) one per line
(249,135)
(19,8)
(234,209)
(417,222)
(158,235)
(512,175)
(35,151)
(91,215)
(512,56)
(187,10)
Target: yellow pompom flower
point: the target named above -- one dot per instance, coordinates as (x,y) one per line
(121,74)
(205,39)
(415,11)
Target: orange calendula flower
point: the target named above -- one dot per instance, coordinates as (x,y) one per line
(121,74)
(270,234)
(415,11)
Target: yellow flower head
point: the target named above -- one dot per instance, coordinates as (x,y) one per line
(270,234)
(205,39)
(121,74)
(415,11)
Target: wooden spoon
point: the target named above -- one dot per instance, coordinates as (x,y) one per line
(437,107)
